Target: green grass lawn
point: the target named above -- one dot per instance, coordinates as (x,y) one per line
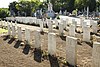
(3,31)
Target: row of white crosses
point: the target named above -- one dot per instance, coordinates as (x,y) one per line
(71,42)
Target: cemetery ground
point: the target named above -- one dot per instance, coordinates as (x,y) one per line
(14,53)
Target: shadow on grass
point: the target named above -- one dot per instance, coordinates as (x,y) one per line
(17,44)
(26,49)
(69,65)
(90,44)
(6,37)
(53,61)
(97,35)
(37,55)
(63,38)
(11,40)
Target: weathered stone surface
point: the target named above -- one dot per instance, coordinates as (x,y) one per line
(37,39)
(52,43)
(96,54)
(86,34)
(71,46)
(19,34)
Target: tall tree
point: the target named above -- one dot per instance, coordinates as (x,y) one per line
(70,5)
(4,12)
(12,7)
(92,5)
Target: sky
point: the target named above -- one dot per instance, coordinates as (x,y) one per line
(5,3)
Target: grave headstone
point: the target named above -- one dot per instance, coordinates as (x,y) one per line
(13,31)
(9,30)
(50,26)
(11,23)
(19,34)
(27,35)
(74,22)
(86,34)
(84,24)
(15,25)
(96,54)
(41,25)
(56,22)
(61,29)
(52,43)
(2,23)
(94,26)
(72,30)
(37,39)
(64,23)
(71,47)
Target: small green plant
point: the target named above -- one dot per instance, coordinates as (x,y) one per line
(58,17)
(75,12)
(48,17)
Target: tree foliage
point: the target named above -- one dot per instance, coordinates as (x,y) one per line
(30,6)
(12,7)
(4,12)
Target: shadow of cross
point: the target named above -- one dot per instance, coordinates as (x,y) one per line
(17,44)
(11,40)
(53,61)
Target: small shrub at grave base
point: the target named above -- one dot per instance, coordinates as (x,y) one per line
(58,17)
(48,17)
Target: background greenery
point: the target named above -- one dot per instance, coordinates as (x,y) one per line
(27,7)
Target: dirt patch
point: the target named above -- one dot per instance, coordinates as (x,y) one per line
(14,53)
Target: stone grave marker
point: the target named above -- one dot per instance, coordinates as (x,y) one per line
(86,34)
(37,39)
(61,29)
(13,31)
(50,26)
(71,47)
(96,54)
(72,30)
(19,33)
(94,26)
(41,25)
(9,30)
(74,22)
(52,43)
(27,35)
(84,24)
